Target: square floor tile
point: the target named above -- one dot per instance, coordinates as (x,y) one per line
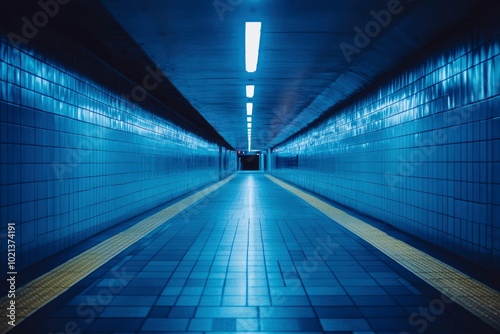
(163,325)
(354,325)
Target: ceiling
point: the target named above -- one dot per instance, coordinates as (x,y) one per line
(302,72)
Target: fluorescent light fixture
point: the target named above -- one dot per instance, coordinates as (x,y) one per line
(252,41)
(249,109)
(249,125)
(250,91)
(249,119)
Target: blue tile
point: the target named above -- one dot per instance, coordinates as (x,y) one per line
(290,325)
(392,324)
(354,325)
(365,291)
(226,312)
(374,301)
(166,301)
(326,291)
(192,291)
(331,301)
(116,324)
(210,301)
(161,325)
(130,311)
(182,312)
(200,325)
(188,300)
(224,325)
(234,300)
(290,301)
(247,325)
(286,312)
(172,291)
(383,311)
(133,301)
(259,301)
(159,311)
(338,312)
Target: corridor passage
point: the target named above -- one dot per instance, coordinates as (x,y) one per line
(231,166)
(249,256)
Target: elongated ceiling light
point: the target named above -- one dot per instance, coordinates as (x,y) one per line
(250,91)
(249,108)
(252,41)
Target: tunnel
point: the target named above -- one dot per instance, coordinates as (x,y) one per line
(246,166)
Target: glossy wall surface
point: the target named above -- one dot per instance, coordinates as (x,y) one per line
(77,158)
(421,152)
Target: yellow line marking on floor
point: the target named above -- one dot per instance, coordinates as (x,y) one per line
(42,290)
(471,294)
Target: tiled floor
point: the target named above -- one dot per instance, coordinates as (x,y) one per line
(251,257)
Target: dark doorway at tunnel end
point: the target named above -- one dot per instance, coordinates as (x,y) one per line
(249,161)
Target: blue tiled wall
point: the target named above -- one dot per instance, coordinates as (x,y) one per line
(421,152)
(76,158)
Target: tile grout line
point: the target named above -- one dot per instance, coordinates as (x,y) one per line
(474,296)
(42,290)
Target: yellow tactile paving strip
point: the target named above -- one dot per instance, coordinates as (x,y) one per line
(474,296)
(45,288)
